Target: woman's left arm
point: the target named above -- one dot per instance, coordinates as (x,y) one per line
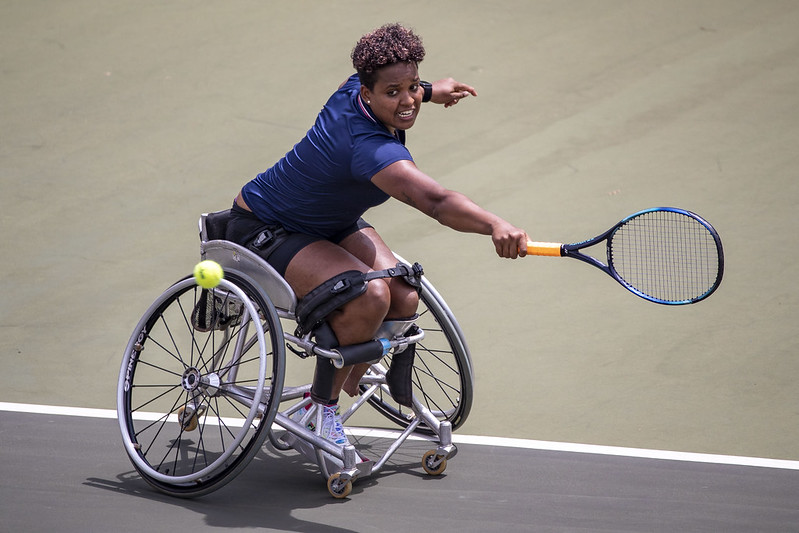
(405,182)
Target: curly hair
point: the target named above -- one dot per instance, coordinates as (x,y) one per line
(387,45)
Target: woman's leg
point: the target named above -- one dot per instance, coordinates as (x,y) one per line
(367,245)
(356,321)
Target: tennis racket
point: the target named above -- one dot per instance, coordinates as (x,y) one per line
(665,255)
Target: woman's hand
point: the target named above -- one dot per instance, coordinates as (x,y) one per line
(449,92)
(509,241)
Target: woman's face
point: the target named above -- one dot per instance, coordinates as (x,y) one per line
(396,97)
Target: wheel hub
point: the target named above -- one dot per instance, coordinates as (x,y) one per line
(191,379)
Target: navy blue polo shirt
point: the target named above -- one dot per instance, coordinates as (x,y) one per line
(323,185)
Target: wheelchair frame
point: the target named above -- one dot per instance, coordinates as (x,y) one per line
(197,405)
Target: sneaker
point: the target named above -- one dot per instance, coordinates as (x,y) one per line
(332,429)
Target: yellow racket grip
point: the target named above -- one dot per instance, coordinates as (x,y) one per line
(551,249)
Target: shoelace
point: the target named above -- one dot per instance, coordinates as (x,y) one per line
(335,431)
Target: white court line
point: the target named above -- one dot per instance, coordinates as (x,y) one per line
(469,439)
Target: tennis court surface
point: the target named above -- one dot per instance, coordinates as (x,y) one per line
(122,122)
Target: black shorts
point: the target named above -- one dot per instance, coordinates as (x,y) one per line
(244,227)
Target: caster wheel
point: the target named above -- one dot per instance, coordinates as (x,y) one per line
(338,487)
(434,464)
(189,423)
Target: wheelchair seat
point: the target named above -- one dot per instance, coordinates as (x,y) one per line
(213,246)
(215,225)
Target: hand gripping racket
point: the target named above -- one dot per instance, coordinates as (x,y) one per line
(665,255)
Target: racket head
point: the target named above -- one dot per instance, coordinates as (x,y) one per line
(666,255)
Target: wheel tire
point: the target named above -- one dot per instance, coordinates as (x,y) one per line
(337,487)
(433,464)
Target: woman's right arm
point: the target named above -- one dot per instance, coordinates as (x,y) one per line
(405,182)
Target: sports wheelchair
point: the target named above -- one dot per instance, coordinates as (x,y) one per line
(201,385)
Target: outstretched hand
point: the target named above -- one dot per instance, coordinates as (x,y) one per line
(509,241)
(449,92)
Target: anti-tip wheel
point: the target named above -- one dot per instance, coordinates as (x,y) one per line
(338,487)
(189,422)
(433,463)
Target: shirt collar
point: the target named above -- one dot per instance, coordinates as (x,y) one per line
(366,110)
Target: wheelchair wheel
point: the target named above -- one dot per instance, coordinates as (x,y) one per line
(194,398)
(442,376)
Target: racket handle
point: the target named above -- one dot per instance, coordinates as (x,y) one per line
(551,249)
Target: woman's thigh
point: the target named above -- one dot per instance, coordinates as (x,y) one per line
(318,262)
(356,321)
(369,247)
(363,250)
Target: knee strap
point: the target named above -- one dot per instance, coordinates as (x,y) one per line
(342,289)
(411,274)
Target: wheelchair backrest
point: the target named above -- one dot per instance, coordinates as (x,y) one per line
(230,255)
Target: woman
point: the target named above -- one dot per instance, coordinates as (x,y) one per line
(353,158)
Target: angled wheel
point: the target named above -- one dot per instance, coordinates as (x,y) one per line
(442,376)
(194,397)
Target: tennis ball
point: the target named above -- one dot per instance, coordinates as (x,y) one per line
(208,274)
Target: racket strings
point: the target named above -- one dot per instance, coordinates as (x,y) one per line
(666,255)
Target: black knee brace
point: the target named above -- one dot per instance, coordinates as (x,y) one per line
(322,386)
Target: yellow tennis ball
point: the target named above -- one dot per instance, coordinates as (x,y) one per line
(208,274)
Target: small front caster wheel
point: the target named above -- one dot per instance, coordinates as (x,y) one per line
(339,487)
(433,463)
